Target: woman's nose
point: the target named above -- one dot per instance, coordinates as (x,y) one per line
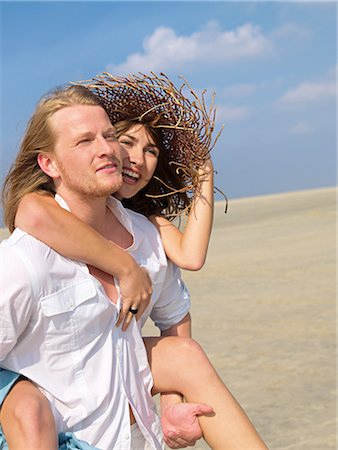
(136,156)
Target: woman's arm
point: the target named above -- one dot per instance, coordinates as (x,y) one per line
(188,250)
(42,217)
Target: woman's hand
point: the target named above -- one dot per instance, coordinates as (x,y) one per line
(136,290)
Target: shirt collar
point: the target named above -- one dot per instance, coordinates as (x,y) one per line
(61,202)
(121,213)
(115,207)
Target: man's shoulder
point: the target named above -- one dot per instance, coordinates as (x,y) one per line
(14,239)
(143,227)
(138,220)
(20,242)
(24,255)
(141,220)
(18,237)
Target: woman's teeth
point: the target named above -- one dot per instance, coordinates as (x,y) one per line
(130,174)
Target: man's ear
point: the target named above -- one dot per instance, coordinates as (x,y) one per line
(48,165)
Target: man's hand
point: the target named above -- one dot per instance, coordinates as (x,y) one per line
(180,423)
(136,290)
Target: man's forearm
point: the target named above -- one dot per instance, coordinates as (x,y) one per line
(179,420)
(182,329)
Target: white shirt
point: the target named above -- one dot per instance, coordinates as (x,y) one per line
(58,329)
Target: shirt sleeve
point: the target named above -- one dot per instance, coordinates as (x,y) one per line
(15,299)
(174,300)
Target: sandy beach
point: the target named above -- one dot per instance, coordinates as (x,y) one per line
(263,308)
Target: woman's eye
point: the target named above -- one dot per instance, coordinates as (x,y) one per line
(152,151)
(124,142)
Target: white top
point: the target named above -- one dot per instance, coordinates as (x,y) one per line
(57,327)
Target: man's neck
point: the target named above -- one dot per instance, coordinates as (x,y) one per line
(92,211)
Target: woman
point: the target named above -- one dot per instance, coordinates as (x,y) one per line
(229,427)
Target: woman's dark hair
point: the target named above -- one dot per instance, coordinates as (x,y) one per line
(159,196)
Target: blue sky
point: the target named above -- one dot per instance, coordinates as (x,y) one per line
(272,65)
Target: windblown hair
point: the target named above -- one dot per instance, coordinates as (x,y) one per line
(25,175)
(156,197)
(185,125)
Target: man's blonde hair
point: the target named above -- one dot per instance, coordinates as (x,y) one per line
(25,175)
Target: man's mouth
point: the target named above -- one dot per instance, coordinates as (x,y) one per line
(112,166)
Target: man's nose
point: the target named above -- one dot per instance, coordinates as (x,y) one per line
(109,148)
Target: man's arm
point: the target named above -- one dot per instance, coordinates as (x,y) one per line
(169,400)
(179,419)
(171,315)
(15,299)
(182,329)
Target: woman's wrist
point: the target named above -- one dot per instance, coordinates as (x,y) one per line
(126,265)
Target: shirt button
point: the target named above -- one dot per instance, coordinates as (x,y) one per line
(70,303)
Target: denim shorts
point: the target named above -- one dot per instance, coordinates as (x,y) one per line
(67,441)
(7,381)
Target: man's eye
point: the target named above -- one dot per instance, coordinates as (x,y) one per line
(83,141)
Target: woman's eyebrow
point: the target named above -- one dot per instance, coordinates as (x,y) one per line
(133,138)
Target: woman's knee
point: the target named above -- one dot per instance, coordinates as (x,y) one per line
(183,364)
(189,350)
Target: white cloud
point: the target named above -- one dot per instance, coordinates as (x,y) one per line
(232,114)
(301,128)
(310,92)
(291,29)
(164,49)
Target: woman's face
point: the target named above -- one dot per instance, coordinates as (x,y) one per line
(139,160)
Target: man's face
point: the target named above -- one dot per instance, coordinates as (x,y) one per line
(86,154)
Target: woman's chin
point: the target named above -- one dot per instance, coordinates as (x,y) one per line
(124,193)
(129,190)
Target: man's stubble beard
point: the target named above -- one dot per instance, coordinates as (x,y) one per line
(88,188)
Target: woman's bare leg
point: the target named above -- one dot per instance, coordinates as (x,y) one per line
(179,364)
(27,420)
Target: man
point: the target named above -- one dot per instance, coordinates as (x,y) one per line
(58,316)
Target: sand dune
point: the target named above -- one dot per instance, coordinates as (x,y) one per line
(264,310)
